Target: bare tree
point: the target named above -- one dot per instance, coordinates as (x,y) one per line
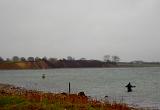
(30,59)
(1,59)
(70,58)
(107,58)
(52,60)
(8,59)
(16,58)
(37,59)
(115,59)
(23,59)
(44,58)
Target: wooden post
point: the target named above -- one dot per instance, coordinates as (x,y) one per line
(69,88)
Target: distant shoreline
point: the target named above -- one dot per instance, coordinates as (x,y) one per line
(25,65)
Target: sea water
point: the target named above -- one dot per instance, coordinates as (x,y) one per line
(95,82)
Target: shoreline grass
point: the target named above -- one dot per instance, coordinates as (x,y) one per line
(15,98)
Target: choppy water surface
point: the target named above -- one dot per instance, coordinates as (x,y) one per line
(95,82)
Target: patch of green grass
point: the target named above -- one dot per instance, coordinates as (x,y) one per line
(20,103)
(10,100)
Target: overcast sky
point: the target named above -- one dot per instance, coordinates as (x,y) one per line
(81,28)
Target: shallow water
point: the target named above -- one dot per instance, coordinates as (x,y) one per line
(95,82)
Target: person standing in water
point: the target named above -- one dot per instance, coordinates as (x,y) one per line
(129,87)
(43,76)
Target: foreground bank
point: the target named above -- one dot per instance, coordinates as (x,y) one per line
(16,98)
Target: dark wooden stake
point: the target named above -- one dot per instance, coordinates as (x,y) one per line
(69,88)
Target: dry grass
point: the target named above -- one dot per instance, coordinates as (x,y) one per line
(12,98)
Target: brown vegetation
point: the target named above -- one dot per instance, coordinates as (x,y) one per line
(44,101)
(24,65)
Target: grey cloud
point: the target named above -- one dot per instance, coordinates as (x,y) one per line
(81,28)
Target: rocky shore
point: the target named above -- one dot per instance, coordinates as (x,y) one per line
(38,100)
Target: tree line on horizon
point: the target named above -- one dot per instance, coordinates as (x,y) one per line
(69,62)
(106,58)
(63,63)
